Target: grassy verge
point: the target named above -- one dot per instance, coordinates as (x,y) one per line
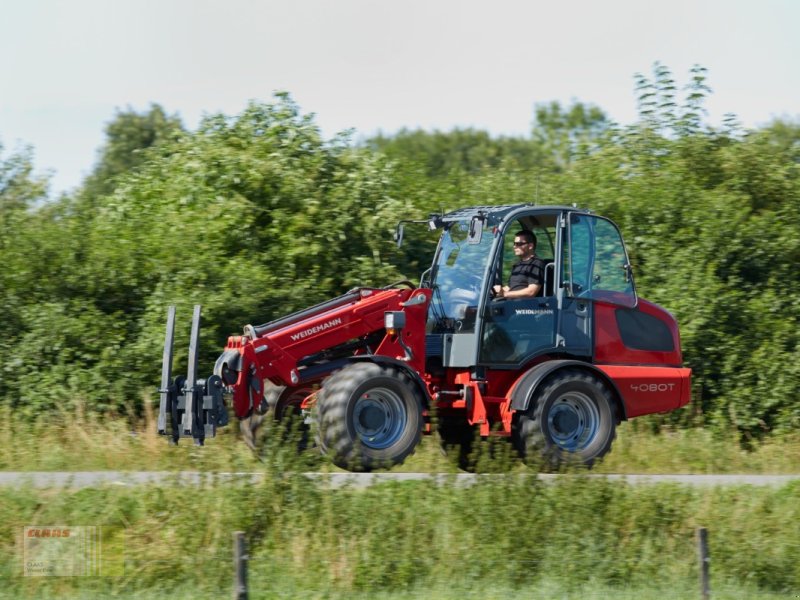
(75,443)
(544,589)
(696,450)
(503,537)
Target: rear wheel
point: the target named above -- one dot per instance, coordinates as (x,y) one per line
(369,416)
(570,419)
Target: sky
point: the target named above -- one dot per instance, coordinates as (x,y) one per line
(68,66)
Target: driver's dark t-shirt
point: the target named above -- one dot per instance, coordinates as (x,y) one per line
(525,273)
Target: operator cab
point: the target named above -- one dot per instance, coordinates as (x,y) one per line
(585,260)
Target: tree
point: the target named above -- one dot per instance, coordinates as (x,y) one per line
(128,136)
(564,134)
(252,216)
(458,152)
(711,220)
(256,215)
(20,191)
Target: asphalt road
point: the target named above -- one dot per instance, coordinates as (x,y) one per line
(83,479)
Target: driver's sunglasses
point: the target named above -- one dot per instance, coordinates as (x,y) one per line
(518,244)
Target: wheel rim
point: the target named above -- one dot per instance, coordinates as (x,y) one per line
(379,418)
(573,421)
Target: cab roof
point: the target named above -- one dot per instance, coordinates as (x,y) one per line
(498,213)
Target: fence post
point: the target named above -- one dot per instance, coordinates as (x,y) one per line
(702,554)
(240,559)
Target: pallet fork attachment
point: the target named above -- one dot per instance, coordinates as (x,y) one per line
(193,407)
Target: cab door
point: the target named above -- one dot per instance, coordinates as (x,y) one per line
(597,266)
(517,330)
(594,267)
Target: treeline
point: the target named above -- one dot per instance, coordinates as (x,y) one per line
(256,215)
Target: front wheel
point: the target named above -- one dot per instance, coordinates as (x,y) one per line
(284,405)
(570,419)
(370,416)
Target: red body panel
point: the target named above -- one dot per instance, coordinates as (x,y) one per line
(610,349)
(647,390)
(648,381)
(275,356)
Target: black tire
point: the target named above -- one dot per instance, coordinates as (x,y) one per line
(283,404)
(287,402)
(570,420)
(369,416)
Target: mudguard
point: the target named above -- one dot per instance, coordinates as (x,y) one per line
(522,391)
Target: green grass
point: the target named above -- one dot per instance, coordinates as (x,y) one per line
(264,589)
(638,449)
(504,537)
(76,443)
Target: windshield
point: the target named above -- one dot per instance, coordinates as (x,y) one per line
(457,276)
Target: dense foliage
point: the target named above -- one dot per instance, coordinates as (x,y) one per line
(256,215)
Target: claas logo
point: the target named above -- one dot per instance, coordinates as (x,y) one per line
(48,532)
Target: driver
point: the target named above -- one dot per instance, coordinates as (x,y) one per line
(527,275)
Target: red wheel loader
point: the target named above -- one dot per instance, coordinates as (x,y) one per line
(555,373)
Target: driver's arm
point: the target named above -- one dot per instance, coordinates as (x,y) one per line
(527,292)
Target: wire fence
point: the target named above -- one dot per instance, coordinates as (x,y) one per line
(242,586)
(265,577)
(438,543)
